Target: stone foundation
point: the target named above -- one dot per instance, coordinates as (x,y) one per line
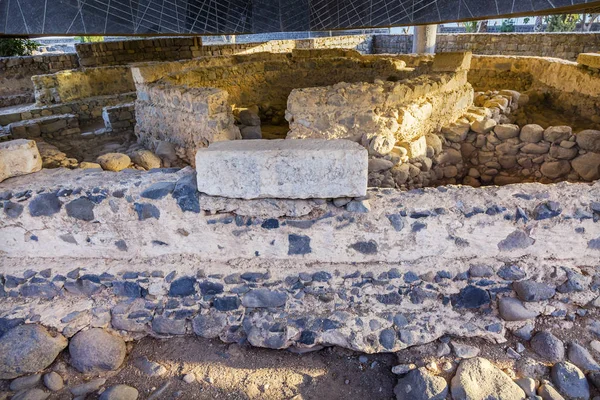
(419,265)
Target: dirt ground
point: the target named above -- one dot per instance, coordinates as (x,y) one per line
(231,371)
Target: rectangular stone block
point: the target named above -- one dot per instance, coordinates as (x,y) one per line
(591,60)
(284,168)
(19,157)
(452,61)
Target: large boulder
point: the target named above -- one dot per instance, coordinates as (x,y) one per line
(477,378)
(96,350)
(587,166)
(570,381)
(19,157)
(28,349)
(146,159)
(114,161)
(589,140)
(419,384)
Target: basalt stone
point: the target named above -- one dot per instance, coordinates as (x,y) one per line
(45,291)
(512,309)
(387,338)
(31,394)
(529,290)
(546,210)
(186,194)
(208,288)
(369,247)
(253,276)
(81,208)
(127,289)
(182,287)
(226,303)
(26,349)
(471,297)
(397,221)
(298,244)
(168,326)
(44,204)
(82,287)
(515,241)
(209,325)
(264,298)
(12,210)
(321,276)
(271,223)
(570,381)
(548,346)
(419,384)
(582,358)
(511,273)
(25,382)
(576,282)
(146,210)
(158,190)
(96,350)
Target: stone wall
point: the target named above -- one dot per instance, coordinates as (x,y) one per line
(71,85)
(403,111)
(16,73)
(260,80)
(565,85)
(189,118)
(135,252)
(130,51)
(182,48)
(87,110)
(560,45)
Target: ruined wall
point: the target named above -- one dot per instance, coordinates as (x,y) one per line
(262,79)
(567,86)
(71,85)
(119,247)
(189,118)
(182,48)
(560,45)
(16,73)
(130,51)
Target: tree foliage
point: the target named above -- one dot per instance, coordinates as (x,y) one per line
(561,22)
(10,47)
(508,25)
(89,39)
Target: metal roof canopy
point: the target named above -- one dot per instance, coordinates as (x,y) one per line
(220,17)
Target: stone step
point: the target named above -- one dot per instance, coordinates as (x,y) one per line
(52,126)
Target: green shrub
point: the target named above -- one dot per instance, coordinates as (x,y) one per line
(17,47)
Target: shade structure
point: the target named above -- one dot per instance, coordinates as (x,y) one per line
(173,17)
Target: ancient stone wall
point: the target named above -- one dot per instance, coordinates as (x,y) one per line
(182,48)
(263,80)
(560,45)
(71,85)
(566,85)
(16,73)
(404,111)
(130,51)
(125,245)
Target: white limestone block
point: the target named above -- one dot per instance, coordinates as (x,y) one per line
(19,157)
(284,168)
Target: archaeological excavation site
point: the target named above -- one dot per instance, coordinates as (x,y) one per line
(243,200)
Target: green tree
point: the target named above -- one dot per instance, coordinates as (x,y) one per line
(561,22)
(470,26)
(508,25)
(17,47)
(89,39)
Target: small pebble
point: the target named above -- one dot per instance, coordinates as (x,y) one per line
(189,378)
